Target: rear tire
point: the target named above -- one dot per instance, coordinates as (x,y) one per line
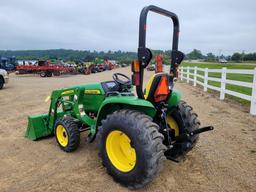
(56,73)
(187,121)
(67,134)
(42,74)
(49,74)
(143,138)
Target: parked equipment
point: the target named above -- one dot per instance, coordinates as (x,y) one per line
(4,78)
(108,64)
(92,68)
(44,69)
(135,133)
(8,63)
(99,65)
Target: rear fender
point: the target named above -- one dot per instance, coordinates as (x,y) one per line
(112,104)
(174,99)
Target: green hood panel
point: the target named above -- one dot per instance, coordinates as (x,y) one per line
(89,86)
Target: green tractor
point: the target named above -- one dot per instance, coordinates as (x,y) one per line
(135,133)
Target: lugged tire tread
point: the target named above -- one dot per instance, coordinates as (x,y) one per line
(151,141)
(73,133)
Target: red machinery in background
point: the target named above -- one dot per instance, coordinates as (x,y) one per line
(44,68)
(99,66)
(109,64)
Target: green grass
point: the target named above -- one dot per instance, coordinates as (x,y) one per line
(219,66)
(237,77)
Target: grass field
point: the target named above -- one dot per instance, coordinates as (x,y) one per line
(237,77)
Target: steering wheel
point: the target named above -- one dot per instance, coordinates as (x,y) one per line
(117,76)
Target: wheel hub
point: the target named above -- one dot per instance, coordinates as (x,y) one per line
(62,135)
(120,152)
(173,124)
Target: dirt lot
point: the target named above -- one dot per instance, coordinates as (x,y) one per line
(224,160)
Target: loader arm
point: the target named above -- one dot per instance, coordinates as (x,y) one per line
(72,104)
(75,102)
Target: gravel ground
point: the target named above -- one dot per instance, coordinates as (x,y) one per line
(223,160)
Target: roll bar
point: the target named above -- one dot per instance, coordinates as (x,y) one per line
(144,54)
(143,22)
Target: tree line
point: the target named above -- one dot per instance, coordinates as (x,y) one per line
(121,56)
(70,55)
(236,57)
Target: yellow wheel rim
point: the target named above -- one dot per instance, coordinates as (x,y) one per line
(120,152)
(62,135)
(173,124)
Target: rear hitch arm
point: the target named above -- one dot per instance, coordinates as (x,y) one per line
(192,133)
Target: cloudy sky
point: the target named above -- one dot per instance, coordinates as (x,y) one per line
(211,26)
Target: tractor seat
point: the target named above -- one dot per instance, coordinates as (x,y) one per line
(157,88)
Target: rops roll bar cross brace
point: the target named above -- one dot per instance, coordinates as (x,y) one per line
(145,55)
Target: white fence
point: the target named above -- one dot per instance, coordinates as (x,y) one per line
(187,72)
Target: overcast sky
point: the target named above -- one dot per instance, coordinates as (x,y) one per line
(208,25)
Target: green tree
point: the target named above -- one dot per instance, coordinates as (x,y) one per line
(210,57)
(195,54)
(236,57)
(250,57)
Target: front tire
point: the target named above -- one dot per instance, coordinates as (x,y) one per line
(131,148)
(67,134)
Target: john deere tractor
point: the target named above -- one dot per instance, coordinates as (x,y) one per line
(135,133)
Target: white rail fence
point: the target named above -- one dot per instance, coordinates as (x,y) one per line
(185,73)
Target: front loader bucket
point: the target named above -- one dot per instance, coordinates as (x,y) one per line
(37,127)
